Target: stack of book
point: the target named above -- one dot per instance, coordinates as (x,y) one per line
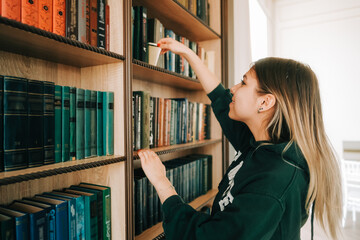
(191,177)
(83,20)
(79,212)
(200,8)
(44,123)
(167,121)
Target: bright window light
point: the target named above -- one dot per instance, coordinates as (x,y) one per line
(258,31)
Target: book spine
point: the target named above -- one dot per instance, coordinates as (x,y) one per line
(107,27)
(136,32)
(58,123)
(46,15)
(108,122)
(87,123)
(151,124)
(133,122)
(80,131)
(65,124)
(138,192)
(59,17)
(145,120)
(71,19)
(143,51)
(29,12)
(11,9)
(101,41)
(88,21)
(81,21)
(93,124)
(156,110)
(107,214)
(137,121)
(72,123)
(100,133)
(1,121)
(93,23)
(35,123)
(80,217)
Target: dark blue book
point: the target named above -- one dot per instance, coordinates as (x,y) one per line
(99,122)
(21,222)
(49,122)
(138,199)
(15,123)
(7,228)
(1,123)
(37,219)
(35,123)
(80,118)
(65,124)
(93,124)
(87,123)
(72,123)
(139,175)
(108,122)
(58,123)
(61,214)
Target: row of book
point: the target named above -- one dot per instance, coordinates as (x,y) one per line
(80,212)
(84,20)
(200,8)
(44,123)
(191,176)
(167,121)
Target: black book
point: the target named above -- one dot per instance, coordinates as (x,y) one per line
(49,122)
(71,19)
(1,123)
(101,24)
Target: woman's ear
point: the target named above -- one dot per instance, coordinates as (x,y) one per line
(266,102)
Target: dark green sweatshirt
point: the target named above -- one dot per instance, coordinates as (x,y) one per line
(262,195)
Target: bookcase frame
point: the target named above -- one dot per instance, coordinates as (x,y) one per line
(29,52)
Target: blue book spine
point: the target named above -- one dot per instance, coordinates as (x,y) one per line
(58,126)
(87,123)
(21,223)
(99,115)
(35,123)
(49,122)
(15,123)
(72,123)
(108,123)
(80,118)
(1,124)
(65,129)
(93,124)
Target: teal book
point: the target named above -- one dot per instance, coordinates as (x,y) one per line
(65,124)
(58,121)
(15,123)
(37,219)
(93,124)
(1,123)
(80,117)
(108,122)
(87,123)
(72,123)
(35,123)
(91,220)
(99,122)
(49,122)
(7,230)
(21,222)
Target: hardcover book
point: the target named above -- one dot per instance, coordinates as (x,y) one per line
(93,124)
(30,12)
(72,123)
(81,21)
(58,123)
(101,41)
(93,22)
(46,15)
(80,120)
(108,121)
(11,9)
(49,122)
(99,121)
(1,122)
(71,19)
(21,223)
(87,123)
(65,123)
(59,17)
(7,230)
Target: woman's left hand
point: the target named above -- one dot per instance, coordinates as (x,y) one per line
(152,166)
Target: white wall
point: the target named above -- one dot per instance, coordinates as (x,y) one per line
(326,35)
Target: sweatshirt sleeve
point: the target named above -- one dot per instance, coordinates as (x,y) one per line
(236,132)
(250,216)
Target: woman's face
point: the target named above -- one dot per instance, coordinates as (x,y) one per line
(245,102)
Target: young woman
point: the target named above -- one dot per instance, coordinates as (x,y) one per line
(284,162)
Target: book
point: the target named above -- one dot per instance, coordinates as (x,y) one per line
(144,118)
(87,21)
(138,200)
(21,221)
(46,15)
(15,123)
(107,27)
(1,121)
(72,124)
(49,122)
(72,19)
(81,21)
(101,40)
(59,17)
(65,123)
(11,9)
(93,124)
(80,118)
(87,123)
(58,123)
(35,123)
(140,33)
(99,123)
(7,230)
(108,123)
(30,12)
(93,22)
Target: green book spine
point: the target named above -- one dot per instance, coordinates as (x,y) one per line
(15,123)
(87,123)
(1,123)
(93,124)
(144,118)
(80,116)
(49,122)
(35,123)
(108,122)
(58,121)
(99,122)
(72,123)
(65,127)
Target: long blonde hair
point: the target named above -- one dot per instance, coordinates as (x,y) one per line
(298,119)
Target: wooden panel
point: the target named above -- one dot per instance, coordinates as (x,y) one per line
(116,26)
(215,15)
(175,17)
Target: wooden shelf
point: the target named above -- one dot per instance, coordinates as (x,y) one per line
(56,168)
(197,204)
(147,72)
(26,40)
(176,17)
(180,147)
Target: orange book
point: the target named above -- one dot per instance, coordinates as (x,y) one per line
(11,9)
(30,12)
(107,27)
(59,17)
(88,21)
(45,15)
(93,23)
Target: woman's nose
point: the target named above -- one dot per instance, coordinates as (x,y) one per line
(233,89)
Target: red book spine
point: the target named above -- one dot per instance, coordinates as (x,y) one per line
(30,12)
(11,9)
(107,27)
(93,23)
(59,17)
(88,21)
(46,15)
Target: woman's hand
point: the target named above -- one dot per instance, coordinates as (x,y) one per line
(170,44)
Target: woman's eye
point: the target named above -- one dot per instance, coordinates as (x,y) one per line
(242,82)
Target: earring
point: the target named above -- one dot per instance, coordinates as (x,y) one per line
(260,110)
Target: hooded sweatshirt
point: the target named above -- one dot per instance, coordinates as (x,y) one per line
(261,196)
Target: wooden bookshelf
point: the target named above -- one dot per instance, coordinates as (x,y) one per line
(197,204)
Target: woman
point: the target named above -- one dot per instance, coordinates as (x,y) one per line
(284,162)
